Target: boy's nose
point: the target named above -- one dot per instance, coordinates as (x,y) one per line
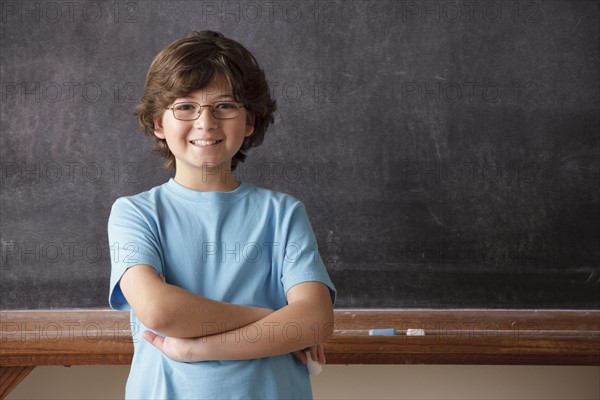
(206,120)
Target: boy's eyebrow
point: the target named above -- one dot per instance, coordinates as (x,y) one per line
(227,95)
(221,96)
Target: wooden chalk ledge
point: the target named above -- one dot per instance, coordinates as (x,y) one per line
(510,337)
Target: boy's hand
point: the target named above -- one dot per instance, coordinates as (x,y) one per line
(317,354)
(181,349)
(174,348)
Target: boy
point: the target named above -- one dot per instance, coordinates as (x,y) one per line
(223,279)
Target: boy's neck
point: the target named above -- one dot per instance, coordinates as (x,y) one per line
(207,179)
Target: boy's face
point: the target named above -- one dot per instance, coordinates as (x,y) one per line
(206,142)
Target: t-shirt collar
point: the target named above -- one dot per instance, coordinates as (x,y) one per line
(181,191)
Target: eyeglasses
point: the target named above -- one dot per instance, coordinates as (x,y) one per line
(190,111)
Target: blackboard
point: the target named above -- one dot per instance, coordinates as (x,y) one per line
(447,152)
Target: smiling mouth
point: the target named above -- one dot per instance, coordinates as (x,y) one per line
(203,143)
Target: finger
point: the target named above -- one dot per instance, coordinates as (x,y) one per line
(154,339)
(321,351)
(314,353)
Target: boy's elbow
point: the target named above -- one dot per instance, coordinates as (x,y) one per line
(155,317)
(146,293)
(324,317)
(323,321)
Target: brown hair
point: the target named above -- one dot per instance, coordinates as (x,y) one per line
(191,63)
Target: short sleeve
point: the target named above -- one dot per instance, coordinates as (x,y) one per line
(132,241)
(301,259)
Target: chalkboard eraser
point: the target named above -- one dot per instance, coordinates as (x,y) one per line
(382,332)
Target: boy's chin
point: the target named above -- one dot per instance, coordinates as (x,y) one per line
(212,165)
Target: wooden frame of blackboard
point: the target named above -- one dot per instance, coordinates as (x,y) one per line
(460,336)
(543,337)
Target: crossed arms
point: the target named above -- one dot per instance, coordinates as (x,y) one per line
(201,329)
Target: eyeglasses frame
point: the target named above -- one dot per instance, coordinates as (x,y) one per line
(212,109)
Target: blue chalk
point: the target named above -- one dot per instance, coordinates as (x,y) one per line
(382,332)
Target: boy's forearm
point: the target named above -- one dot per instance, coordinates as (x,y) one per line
(293,327)
(186,315)
(176,312)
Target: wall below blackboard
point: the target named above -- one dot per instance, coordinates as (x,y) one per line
(356,382)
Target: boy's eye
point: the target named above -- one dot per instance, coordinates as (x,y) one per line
(185,107)
(225,106)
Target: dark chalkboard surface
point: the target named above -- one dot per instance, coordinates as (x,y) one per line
(448,153)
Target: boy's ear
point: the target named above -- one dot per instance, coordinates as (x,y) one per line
(158,127)
(250,119)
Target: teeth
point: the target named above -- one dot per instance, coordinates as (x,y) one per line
(204,142)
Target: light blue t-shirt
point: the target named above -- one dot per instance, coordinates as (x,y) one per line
(247,246)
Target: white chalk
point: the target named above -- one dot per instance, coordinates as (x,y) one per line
(314,367)
(415,332)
